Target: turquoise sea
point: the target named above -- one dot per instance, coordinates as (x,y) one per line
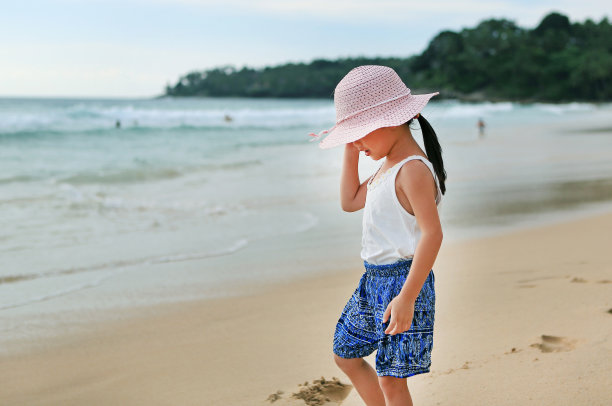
(180,203)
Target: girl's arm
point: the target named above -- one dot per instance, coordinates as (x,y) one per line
(352,194)
(416,183)
(417,186)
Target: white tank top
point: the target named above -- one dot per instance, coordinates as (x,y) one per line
(389,231)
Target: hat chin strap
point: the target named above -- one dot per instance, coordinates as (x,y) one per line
(317,136)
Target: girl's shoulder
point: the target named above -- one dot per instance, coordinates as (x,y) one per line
(417,174)
(418,165)
(412,162)
(414,168)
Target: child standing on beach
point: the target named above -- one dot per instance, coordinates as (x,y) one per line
(392,308)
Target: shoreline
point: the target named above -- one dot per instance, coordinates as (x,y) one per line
(74,321)
(500,299)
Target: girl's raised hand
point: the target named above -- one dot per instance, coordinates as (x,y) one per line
(401,310)
(351,148)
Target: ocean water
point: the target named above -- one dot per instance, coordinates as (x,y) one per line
(178,204)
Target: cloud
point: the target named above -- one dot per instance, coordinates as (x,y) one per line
(83,48)
(364,11)
(346,9)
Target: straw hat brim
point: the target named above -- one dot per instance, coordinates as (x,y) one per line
(389,114)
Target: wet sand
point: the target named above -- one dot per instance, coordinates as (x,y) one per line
(521,318)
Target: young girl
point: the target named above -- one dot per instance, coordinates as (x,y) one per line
(392,309)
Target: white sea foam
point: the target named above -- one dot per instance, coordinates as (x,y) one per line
(310,221)
(15,295)
(22,297)
(560,109)
(80,116)
(462,110)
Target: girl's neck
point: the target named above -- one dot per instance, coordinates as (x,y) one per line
(403,149)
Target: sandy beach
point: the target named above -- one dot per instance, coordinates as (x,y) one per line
(521,318)
(170,207)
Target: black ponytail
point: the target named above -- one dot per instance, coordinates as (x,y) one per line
(433,150)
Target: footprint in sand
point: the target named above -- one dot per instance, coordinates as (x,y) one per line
(466,365)
(582,280)
(321,392)
(540,278)
(275,396)
(554,344)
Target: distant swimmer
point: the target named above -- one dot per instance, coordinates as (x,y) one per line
(118,124)
(481,127)
(228,118)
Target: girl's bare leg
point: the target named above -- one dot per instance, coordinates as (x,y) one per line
(363,378)
(395,391)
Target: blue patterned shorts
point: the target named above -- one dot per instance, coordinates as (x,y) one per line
(360,329)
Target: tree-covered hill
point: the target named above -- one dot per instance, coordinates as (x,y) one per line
(556,61)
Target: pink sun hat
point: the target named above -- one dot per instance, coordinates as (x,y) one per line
(367,98)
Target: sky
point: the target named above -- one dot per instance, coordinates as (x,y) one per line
(133,48)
